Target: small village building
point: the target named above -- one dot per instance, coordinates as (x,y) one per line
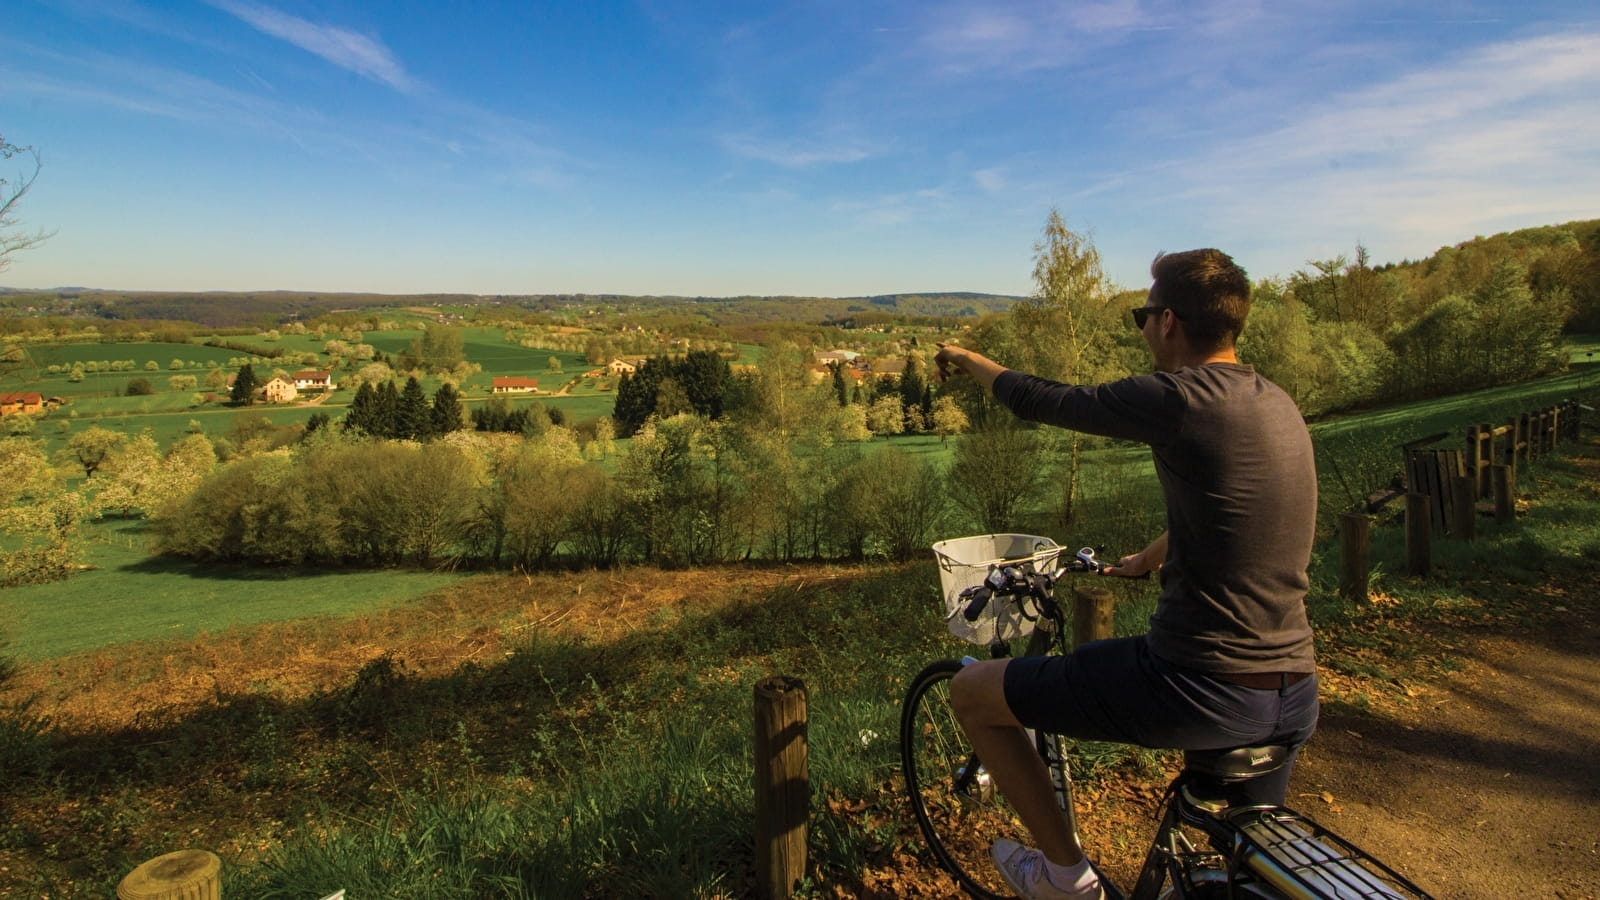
(620,366)
(843,357)
(824,372)
(21,403)
(514,384)
(313,380)
(279,390)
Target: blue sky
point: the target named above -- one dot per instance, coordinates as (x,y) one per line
(824,148)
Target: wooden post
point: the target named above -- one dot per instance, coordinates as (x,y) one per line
(182,875)
(1093,611)
(1353,566)
(1505,508)
(1524,438)
(1478,456)
(1464,515)
(1419,535)
(1507,446)
(783,786)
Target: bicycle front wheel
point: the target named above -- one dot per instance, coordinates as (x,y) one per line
(955,801)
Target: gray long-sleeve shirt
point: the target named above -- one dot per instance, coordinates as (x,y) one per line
(1236,466)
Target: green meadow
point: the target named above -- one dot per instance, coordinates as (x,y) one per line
(128,596)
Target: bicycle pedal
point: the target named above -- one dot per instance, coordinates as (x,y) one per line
(976,789)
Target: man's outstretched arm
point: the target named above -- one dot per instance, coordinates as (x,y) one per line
(952,360)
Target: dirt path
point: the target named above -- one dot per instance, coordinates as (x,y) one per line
(1489,785)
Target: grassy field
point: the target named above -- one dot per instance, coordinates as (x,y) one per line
(131,597)
(588,734)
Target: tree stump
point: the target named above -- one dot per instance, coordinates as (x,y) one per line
(1093,612)
(182,875)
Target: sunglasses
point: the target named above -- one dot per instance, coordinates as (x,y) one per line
(1141,313)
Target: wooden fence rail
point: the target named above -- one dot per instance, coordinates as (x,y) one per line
(1443,487)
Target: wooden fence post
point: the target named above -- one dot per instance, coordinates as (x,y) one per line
(1464,515)
(1419,534)
(1479,438)
(783,786)
(182,875)
(1093,612)
(1505,509)
(1524,438)
(1353,565)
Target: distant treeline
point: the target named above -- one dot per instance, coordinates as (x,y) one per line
(248,349)
(261,311)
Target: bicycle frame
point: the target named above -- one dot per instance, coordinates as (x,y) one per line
(1242,849)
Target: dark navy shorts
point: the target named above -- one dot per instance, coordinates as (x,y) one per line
(1117,690)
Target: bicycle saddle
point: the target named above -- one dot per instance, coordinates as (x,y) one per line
(1238,763)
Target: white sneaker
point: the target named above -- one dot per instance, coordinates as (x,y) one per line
(1025,870)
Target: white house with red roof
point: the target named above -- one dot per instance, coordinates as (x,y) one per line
(514,384)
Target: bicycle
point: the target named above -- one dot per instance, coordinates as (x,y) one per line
(1213,840)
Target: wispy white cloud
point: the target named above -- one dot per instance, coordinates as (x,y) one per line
(1021,37)
(441,129)
(991,180)
(1495,138)
(797,154)
(894,209)
(344,48)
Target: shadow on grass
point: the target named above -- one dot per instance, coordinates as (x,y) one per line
(568,715)
(218,571)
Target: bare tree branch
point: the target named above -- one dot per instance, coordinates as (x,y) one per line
(12,240)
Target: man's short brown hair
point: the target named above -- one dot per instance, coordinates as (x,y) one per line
(1207,290)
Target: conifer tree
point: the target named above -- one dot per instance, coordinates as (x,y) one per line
(411,419)
(388,416)
(244,386)
(362,416)
(445,416)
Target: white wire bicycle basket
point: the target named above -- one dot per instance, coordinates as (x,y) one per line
(965,562)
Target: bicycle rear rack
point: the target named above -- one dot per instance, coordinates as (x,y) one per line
(1301,858)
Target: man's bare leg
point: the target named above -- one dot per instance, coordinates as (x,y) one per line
(977,694)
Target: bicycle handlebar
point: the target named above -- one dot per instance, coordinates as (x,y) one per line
(1021,579)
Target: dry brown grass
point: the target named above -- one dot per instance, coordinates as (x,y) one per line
(475,620)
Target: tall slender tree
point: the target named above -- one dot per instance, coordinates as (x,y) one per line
(244,386)
(411,418)
(388,416)
(445,414)
(362,416)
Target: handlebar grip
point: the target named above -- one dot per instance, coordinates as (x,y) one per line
(980,599)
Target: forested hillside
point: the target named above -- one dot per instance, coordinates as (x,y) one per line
(1345,333)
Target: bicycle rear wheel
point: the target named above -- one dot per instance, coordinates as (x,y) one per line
(956,804)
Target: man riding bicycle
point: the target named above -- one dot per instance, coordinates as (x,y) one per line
(1228,658)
